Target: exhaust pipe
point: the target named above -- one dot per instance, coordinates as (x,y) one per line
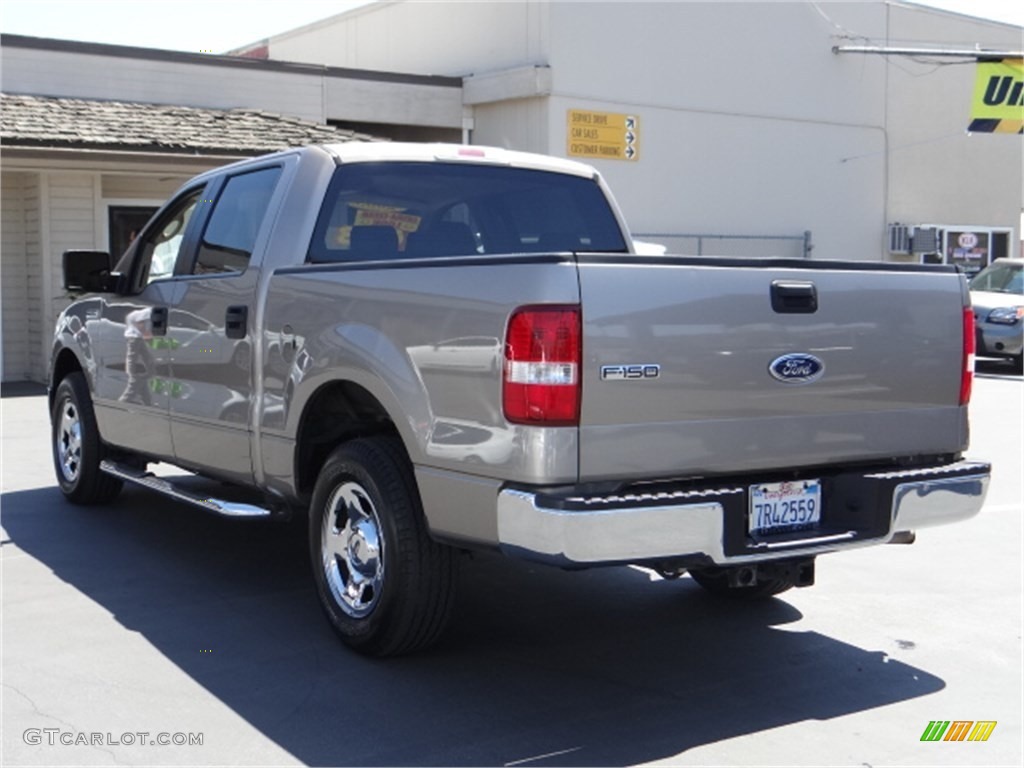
(801,572)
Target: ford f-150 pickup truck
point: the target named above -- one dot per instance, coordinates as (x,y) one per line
(433,348)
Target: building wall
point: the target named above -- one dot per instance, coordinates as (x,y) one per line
(14,287)
(745,178)
(745,128)
(750,124)
(72,74)
(423,37)
(34,191)
(59,215)
(937,173)
(45,213)
(520,124)
(304,92)
(73,199)
(126,186)
(770,60)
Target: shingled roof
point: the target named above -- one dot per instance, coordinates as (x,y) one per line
(41,121)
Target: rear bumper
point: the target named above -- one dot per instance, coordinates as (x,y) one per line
(707,525)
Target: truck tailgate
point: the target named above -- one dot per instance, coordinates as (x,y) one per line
(889,338)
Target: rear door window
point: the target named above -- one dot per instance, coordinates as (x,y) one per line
(376,211)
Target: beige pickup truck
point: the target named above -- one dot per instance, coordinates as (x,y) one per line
(430,348)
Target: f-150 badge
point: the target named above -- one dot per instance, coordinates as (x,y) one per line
(796,368)
(630,372)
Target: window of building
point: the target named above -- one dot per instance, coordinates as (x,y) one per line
(124,224)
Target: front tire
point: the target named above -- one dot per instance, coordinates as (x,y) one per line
(77,448)
(387,588)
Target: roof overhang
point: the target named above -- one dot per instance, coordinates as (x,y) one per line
(25,158)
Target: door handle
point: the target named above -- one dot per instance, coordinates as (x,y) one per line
(158,321)
(794,297)
(236,322)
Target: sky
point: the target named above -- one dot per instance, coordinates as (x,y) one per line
(218,26)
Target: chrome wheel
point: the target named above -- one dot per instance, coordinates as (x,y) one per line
(77,447)
(387,588)
(69,441)
(353,550)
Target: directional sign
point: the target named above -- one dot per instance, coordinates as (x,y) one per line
(602,135)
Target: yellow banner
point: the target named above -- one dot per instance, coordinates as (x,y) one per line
(998,105)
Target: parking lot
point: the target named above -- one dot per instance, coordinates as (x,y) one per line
(149,617)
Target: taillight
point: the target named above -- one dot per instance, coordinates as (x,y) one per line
(541,382)
(967,374)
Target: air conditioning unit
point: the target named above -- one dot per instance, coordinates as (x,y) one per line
(899,238)
(925,240)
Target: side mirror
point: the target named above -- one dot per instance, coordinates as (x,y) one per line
(88,272)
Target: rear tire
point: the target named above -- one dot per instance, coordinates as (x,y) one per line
(716,581)
(77,448)
(387,588)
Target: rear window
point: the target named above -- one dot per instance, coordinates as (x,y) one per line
(419,210)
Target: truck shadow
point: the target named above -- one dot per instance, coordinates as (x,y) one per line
(541,667)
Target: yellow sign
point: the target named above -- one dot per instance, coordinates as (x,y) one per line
(376,215)
(603,135)
(998,105)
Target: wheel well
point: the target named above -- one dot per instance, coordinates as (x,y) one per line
(337,412)
(65,363)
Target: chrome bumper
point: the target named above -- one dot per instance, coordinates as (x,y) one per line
(691,524)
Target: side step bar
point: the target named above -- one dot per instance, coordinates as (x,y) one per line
(154,483)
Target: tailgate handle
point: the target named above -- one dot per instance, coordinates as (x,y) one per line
(794,297)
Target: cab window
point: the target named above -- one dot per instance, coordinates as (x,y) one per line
(231,231)
(396,210)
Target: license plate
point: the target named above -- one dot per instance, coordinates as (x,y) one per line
(789,506)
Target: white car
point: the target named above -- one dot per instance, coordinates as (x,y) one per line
(997,295)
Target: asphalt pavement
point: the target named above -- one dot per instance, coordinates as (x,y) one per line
(147,621)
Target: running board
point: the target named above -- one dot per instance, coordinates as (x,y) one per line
(154,483)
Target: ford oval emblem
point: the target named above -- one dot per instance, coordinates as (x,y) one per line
(796,368)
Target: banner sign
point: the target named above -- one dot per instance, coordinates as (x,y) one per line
(998,105)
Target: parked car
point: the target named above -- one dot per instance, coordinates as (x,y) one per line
(997,294)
